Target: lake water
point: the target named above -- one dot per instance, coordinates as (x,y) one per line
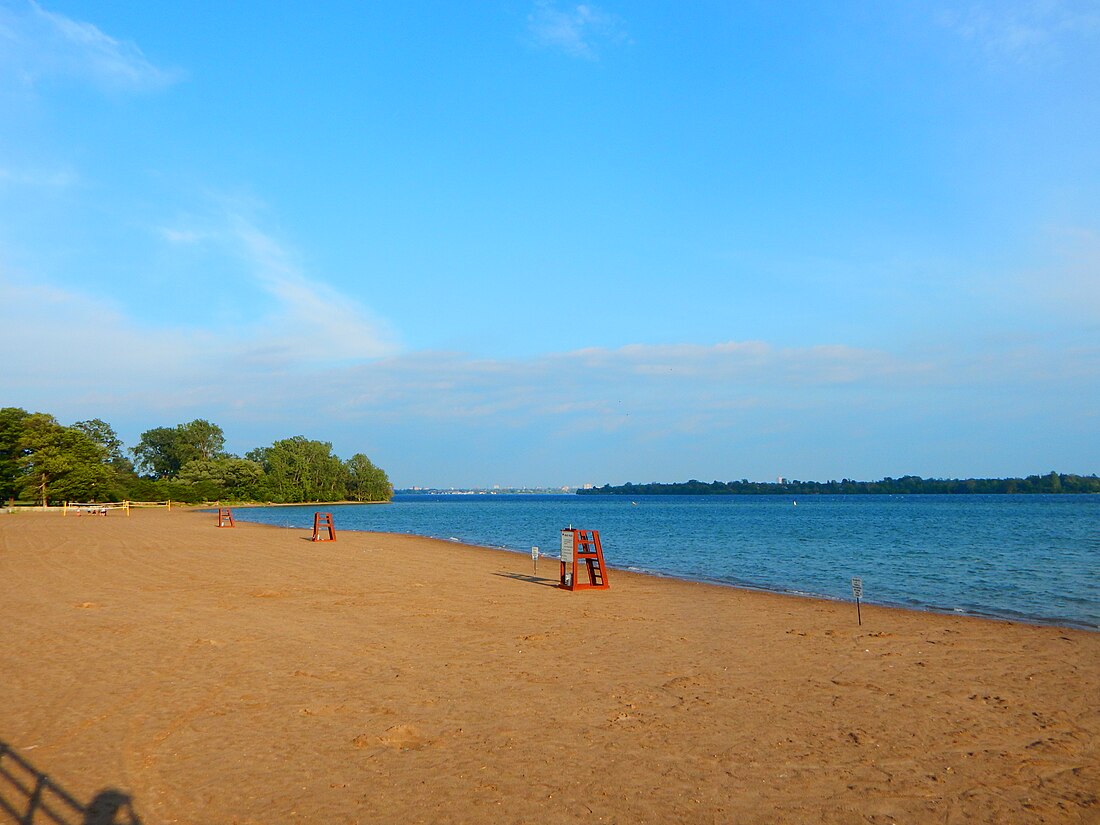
(1030,558)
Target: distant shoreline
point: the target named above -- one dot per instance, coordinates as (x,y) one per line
(637,492)
(1053,483)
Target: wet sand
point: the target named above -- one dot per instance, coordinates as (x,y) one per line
(248,675)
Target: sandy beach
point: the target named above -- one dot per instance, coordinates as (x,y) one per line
(249,675)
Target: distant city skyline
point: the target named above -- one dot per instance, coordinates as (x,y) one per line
(536,243)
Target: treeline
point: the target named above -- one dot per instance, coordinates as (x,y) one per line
(1053,482)
(44,461)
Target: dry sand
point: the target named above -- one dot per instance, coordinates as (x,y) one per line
(248,675)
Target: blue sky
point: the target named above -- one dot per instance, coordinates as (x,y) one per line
(528,243)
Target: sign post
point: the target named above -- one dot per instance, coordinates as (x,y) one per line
(857,592)
(535,559)
(565,554)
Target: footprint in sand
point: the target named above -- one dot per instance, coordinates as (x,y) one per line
(1054,744)
(324,710)
(684,689)
(399,737)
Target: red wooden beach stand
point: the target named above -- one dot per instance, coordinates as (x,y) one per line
(323,521)
(582,549)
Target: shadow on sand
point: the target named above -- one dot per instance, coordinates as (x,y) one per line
(29,797)
(523,577)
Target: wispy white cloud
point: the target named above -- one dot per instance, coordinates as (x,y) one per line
(644,388)
(87,346)
(314,320)
(93,350)
(309,321)
(38,178)
(1025,30)
(577,30)
(437,413)
(320,350)
(36,43)
(180,236)
(317,350)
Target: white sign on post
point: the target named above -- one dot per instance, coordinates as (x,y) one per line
(534,554)
(857,592)
(567,546)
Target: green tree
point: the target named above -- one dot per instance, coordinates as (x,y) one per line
(61,462)
(11,430)
(259,455)
(104,435)
(367,482)
(157,453)
(298,469)
(243,478)
(163,451)
(229,478)
(199,439)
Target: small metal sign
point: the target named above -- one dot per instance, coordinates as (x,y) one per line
(567,537)
(535,559)
(857,588)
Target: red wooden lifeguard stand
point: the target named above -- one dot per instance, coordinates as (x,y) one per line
(225,517)
(323,521)
(582,549)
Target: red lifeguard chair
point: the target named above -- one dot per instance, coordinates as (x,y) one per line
(579,546)
(225,517)
(323,521)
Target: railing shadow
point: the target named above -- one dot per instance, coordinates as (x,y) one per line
(30,797)
(524,577)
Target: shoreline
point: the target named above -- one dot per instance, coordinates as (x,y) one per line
(991,615)
(1006,616)
(250,675)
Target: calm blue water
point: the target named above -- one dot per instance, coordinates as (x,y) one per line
(1033,558)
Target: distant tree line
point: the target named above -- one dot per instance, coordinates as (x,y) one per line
(44,461)
(1052,482)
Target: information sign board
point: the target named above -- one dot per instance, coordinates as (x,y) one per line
(567,537)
